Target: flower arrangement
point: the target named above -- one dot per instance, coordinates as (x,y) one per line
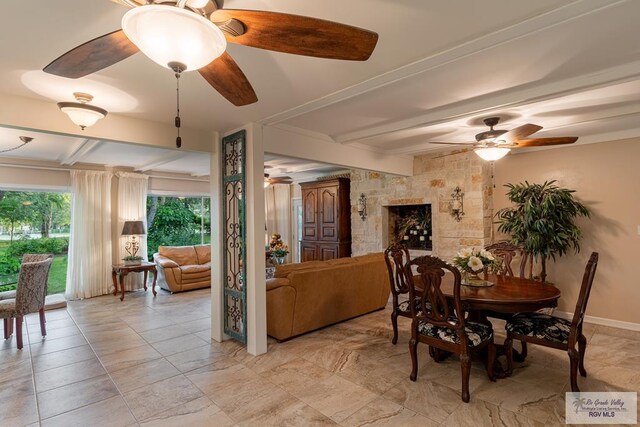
(471,260)
(277,247)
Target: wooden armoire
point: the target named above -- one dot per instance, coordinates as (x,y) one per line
(326,220)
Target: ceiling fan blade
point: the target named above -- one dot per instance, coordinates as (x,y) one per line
(93,56)
(541,142)
(299,35)
(464,144)
(227,78)
(517,133)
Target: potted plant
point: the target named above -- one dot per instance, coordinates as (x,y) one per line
(132,260)
(279,250)
(542,221)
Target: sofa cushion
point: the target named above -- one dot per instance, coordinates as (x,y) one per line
(182,255)
(195,273)
(204,253)
(284,270)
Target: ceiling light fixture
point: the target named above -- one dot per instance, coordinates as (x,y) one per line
(25,140)
(492,153)
(175,38)
(81,113)
(169,34)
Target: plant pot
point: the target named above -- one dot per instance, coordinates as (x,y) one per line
(130,263)
(278,260)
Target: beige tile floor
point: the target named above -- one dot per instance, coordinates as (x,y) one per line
(150,362)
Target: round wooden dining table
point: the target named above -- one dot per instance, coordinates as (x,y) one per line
(507,295)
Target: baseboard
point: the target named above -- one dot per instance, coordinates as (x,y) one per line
(602,321)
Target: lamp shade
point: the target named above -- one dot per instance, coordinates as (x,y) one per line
(492,153)
(133,228)
(82,115)
(171,34)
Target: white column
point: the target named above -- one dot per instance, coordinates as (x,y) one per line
(256,321)
(217,227)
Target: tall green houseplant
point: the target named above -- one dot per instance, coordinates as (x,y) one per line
(542,220)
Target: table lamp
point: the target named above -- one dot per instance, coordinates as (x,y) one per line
(133,229)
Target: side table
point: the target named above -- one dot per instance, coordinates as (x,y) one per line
(119,271)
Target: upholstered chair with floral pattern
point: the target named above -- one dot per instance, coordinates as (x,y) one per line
(29,297)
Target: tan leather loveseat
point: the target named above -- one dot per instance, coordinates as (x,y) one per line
(182,268)
(307,296)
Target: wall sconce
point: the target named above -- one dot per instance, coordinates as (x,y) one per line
(361,205)
(457,204)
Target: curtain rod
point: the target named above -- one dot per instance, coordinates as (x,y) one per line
(53,168)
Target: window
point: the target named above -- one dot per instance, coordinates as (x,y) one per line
(177,221)
(34,222)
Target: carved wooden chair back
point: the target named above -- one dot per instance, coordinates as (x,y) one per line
(434,306)
(583,298)
(397,256)
(506,252)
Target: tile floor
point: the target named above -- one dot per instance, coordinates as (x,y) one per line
(150,362)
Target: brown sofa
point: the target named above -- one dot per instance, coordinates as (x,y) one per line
(308,296)
(182,268)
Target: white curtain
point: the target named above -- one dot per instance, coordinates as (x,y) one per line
(132,206)
(278,205)
(90,252)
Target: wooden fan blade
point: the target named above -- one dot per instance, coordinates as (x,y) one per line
(299,35)
(227,78)
(541,142)
(517,133)
(93,56)
(454,143)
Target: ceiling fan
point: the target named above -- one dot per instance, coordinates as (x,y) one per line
(276,179)
(494,144)
(188,35)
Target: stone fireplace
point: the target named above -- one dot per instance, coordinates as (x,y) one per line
(433,180)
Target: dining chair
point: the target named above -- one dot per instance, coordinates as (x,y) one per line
(396,257)
(507,251)
(441,324)
(555,332)
(29,296)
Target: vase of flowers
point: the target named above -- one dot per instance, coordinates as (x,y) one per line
(471,262)
(279,249)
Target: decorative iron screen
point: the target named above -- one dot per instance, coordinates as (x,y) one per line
(234,256)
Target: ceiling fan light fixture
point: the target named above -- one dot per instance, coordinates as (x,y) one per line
(492,153)
(81,113)
(171,34)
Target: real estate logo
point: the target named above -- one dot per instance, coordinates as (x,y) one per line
(601,408)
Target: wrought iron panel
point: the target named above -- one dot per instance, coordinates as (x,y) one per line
(234,257)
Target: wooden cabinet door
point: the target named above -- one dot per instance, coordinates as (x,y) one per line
(308,252)
(328,203)
(328,252)
(310,214)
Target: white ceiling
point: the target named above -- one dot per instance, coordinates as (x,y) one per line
(439,67)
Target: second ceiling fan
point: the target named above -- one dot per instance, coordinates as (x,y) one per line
(495,143)
(188,35)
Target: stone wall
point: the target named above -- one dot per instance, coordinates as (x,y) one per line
(435,177)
